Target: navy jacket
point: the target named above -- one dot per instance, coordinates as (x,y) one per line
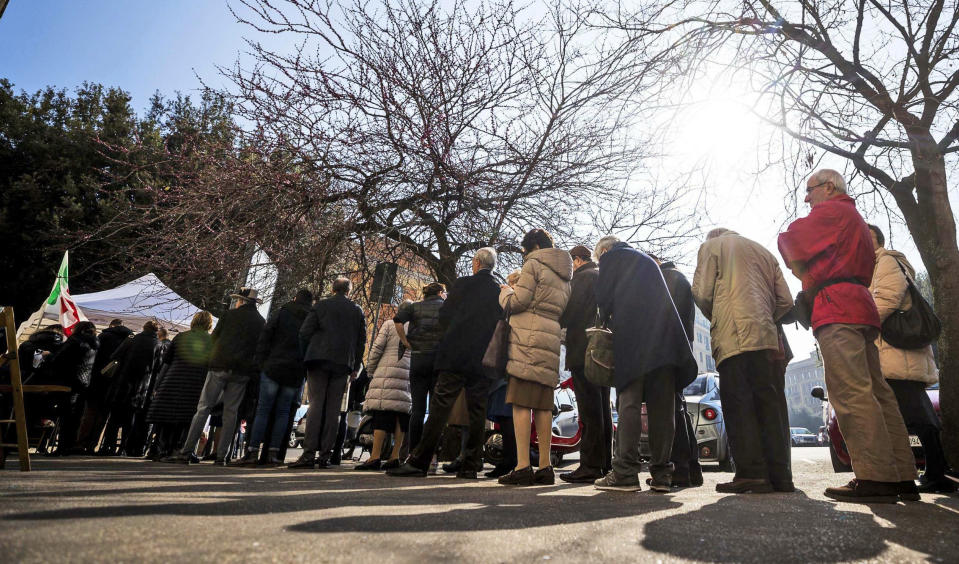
(468,318)
(278,352)
(334,334)
(647,331)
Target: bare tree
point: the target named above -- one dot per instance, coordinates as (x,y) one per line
(445,127)
(873,82)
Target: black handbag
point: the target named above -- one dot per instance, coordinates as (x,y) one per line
(914,328)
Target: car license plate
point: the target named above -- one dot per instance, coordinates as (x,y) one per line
(914,441)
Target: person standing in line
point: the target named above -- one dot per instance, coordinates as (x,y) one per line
(468,318)
(72,366)
(185,364)
(831,251)
(740,288)
(135,358)
(596,448)
(333,338)
(423,320)
(535,304)
(388,398)
(908,372)
(652,359)
(687,472)
(97,408)
(283,372)
(232,364)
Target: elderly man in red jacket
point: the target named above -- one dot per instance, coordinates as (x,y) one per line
(830,250)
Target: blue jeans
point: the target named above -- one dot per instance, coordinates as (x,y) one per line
(275,400)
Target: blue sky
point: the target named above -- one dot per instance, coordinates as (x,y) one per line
(136,45)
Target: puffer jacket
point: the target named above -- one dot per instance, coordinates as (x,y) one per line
(740,288)
(535,304)
(891,292)
(390,387)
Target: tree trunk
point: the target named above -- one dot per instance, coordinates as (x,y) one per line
(933,228)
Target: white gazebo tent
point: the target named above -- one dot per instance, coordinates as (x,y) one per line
(135,303)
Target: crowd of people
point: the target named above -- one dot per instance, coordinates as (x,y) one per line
(146,395)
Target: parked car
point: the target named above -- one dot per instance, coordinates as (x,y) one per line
(837,446)
(706,411)
(298,432)
(801,436)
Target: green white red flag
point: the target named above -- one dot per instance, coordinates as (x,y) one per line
(60,298)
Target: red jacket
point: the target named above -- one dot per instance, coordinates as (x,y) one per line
(834,242)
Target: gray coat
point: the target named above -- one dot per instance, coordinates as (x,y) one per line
(390,387)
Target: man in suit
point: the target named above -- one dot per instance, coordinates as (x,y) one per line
(333,338)
(468,318)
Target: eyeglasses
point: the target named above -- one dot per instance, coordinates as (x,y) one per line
(811,188)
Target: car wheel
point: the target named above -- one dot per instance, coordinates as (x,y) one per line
(493,449)
(837,465)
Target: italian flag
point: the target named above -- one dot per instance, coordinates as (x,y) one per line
(60,298)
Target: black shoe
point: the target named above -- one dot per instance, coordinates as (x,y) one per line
(544,476)
(908,491)
(865,491)
(581,475)
(390,464)
(249,459)
(745,485)
(322,462)
(498,471)
(695,475)
(942,485)
(453,467)
(176,459)
(219,462)
(661,486)
(305,461)
(521,477)
(371,465)
(467,475)
(785,487)
(407,470)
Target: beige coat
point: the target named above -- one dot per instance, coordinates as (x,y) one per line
(740,288)
(891,292)
(535,304)
(390,385)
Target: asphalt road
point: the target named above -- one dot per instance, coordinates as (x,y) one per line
(94,509)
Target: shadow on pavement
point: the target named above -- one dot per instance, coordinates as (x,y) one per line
(745,527)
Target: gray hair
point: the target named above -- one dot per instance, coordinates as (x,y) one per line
(486,257)
(829,175)
(604,245)
(716,233)
(342,285)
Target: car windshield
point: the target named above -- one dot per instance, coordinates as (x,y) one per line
(697,388)
(800,431)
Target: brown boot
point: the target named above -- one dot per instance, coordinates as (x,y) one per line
(865,491)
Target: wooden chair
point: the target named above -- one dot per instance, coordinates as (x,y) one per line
(16,389)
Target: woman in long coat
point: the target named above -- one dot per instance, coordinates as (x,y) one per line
(180,382)
(535,304)
(388,398)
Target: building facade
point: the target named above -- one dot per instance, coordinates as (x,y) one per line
(702,349)
(801,377)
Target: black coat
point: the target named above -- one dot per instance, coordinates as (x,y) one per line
(424,331)
(181,380)
(468,318)
(235,338)
(132,375)
(110,340)
(73,363)
(278,351)
(334,334)
(682,294)
(42,341)
(647,331)
(580,314)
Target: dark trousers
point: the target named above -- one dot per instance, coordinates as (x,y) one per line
(509,442)
(92,424)
(326,395)
(685,453)
(139,433)
(120,424)
(757,420)
(422,382)
(658,390)
(169,437)
(921,420)
(592,401)
(448,386)
(70,412)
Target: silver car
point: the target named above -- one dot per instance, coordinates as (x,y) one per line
(706,412)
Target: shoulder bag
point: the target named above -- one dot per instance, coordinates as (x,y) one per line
(914,328)
(599,368)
